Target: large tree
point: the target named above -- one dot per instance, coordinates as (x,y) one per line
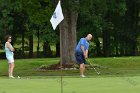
(68,31)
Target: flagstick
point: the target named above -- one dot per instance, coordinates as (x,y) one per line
(61,62)
(58,18)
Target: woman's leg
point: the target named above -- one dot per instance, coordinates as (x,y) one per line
(11,69)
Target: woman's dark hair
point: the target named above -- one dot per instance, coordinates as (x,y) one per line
(7,37)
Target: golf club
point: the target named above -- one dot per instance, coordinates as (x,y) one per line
(94,68)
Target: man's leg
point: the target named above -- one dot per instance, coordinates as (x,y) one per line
(82,69)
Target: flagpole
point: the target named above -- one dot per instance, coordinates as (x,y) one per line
(55,20)
(61,60)
(61,65)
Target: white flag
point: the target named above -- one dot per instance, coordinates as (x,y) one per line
(57,16)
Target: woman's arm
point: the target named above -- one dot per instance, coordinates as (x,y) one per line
(8,45)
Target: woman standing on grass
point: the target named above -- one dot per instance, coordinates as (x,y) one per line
(9,55)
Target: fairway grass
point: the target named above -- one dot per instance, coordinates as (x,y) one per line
(118,75)
(71,85)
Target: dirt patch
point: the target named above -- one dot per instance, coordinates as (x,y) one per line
(58,66)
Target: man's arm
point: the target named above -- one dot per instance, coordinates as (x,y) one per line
(84,52)
(8,45)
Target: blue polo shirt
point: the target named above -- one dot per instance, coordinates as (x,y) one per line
(82,42)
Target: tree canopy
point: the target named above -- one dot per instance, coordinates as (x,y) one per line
(114,24)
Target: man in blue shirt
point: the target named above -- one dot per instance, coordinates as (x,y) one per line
(81,53)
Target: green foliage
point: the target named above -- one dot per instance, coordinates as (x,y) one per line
(113,20)
(6,20)
(118,18)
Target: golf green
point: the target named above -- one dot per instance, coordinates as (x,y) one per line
(71,85)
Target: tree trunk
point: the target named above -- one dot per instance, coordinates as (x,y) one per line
(132,16)
(38,43)
(98,48)
(31,46)
(68,37)
(57,44)
(106,43)
(47,50)
(58,50)
(122,49)
(22,33)
(135,13)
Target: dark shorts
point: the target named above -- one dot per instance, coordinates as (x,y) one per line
(80,58)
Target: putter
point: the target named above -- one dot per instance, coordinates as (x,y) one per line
(95,69)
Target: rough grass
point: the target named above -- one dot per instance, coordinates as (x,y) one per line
(123,66)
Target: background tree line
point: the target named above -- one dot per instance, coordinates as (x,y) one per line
(115,26)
